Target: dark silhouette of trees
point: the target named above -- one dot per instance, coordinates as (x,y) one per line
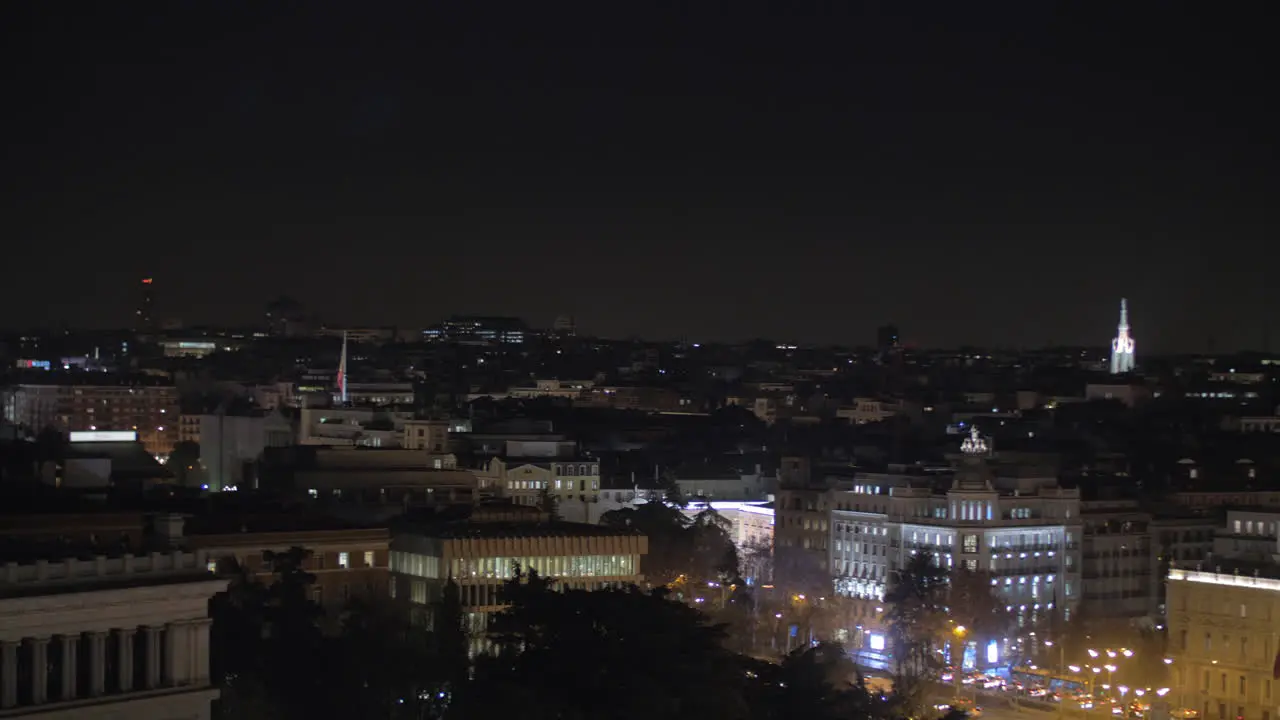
(606,654)
(184,462)
(916,600)
(698,550)
(820,682)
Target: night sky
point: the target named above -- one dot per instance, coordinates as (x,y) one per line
(976,172)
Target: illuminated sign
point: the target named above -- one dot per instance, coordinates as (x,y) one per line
(146,281)
(34,364)
(104,436)
(197,345)
(993,652)
(877,641)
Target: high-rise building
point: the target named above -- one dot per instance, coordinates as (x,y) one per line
(144,319)
(565,325)
(1122,359)
(887,337)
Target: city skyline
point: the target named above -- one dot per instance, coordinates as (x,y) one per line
(719,177)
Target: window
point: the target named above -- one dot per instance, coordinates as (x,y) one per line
(369,560)
(344,560)
(1208,643)
(212,566)
(1242,685)
(1244,610)
(970,543)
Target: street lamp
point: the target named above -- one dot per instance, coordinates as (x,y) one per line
(1110,669)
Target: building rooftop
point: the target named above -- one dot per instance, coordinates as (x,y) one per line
(517,529)
(1230,572)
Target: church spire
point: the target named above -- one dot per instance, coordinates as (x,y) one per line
(1122,346)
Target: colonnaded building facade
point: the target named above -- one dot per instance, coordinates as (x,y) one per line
(108,638)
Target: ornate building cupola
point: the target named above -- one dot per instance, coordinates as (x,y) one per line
(973,473)
(974,445)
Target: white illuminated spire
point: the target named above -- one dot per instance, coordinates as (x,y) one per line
(1122,359)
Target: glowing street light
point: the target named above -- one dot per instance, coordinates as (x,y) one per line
(1093,653)
(1127,652)
(1168,661)
(1162,692)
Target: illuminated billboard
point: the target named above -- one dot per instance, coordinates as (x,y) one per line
(104,436)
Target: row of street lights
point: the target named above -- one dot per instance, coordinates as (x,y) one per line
(1111,655)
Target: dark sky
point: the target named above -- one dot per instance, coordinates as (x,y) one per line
(975,172)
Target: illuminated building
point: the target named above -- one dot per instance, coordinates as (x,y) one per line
(1224,627)
(1025,530)
(140,405)
(470,329)
(528,467)
(106,637)
(479,554)
(750,529)
(1122,347)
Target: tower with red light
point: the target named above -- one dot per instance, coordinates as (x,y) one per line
(144,319)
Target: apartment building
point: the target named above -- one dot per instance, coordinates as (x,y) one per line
(347,562)
(1224,622)
(147,406)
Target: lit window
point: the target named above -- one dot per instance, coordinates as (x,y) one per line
(344,560)
(368,558)
(212,566)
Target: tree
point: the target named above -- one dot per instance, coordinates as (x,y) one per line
(452,640)
(620,654)
(184,462)
(236,645)
(669,551)
(549,504)
(917,620)
(972,604)
(817,683)
(390,668)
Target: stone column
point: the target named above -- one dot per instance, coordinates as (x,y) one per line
(68,680)
(200,651)
(125,660)
(97,663)
(177,653)
(9,671)
(153,656)
(39,670)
